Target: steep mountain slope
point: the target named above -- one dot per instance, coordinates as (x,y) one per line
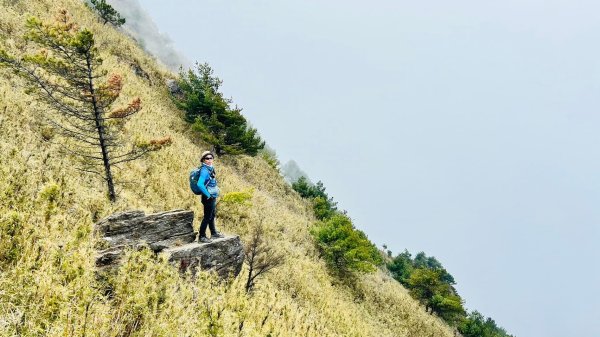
(48,207)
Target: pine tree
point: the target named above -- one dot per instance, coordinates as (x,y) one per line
(323,205)
(401,267)
(219,124)
(65,74)
(107,13)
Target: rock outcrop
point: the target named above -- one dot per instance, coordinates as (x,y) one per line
(225,256)
(169,232)
(174,88)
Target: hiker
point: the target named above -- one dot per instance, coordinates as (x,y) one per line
(207,183)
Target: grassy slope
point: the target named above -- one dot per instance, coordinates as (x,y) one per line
(47,209)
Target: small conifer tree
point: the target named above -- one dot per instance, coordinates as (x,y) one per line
(218,123)
(65,74)
(107,12)
(323,205)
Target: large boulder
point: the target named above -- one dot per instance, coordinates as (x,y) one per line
(225,256)
(170,232)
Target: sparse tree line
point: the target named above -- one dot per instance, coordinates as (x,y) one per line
(345,249)
(431,284)
(348,251)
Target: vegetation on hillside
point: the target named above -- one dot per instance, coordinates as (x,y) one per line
(430,283)
(476,325)
(64,74)
(348,251)
(218,123)
(345,249)
(323,205)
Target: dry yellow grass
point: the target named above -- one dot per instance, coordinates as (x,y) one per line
(47,210)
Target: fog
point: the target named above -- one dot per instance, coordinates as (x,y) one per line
(465,129)
(141,27)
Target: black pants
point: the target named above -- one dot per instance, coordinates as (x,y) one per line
(210,209)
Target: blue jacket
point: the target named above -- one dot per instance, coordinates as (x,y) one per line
(206,180)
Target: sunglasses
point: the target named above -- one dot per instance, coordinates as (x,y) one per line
(208,158)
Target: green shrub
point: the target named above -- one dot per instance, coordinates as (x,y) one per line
(238,198)
(322,208)
(449,307)
(11,226)
(235,206)
(429,287)
(476,325)
(344,248)
(50,193)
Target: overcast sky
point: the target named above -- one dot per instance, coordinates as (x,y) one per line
(465,129)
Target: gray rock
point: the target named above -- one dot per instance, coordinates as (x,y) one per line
(169,232)
(135,229)
(225,256)
(159,231)
(174,88)
(139,71)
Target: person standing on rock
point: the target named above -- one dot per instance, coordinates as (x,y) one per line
(207,183)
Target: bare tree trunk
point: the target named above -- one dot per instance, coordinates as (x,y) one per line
(100,127)
(249,281)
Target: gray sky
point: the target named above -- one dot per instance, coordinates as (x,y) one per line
(465,129)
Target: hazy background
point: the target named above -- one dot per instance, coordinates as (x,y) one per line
(465,129)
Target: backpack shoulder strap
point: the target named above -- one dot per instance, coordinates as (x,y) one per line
(200,174)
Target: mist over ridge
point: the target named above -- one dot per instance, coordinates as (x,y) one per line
(143,29)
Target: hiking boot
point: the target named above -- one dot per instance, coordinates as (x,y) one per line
(204,239)
(217,236)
